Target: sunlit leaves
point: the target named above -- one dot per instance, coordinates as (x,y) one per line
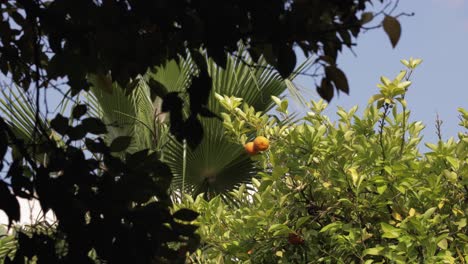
(411,63)
(331,184)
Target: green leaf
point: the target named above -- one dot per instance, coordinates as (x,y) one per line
(381,189)
(276,100)
(302,220)
(392,27)
(454,162)
(278,227)
(120,143)
(331,226)
(390,231)
(443,244)
(373,251)
(429,212)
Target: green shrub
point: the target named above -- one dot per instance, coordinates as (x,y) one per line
(357,190)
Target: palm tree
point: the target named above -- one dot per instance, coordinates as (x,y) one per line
(216,165)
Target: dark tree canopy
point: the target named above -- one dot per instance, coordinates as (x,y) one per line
(126,38)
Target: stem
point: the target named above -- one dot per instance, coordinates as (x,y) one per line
(381,128)
(438,126)
(404,118)
(184,165)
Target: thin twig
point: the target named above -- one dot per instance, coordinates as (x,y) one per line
(438,125)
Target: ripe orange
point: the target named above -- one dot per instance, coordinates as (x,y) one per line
(250,148)
(261,143)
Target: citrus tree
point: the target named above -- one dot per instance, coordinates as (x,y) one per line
(358,190)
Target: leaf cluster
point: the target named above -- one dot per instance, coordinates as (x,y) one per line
(355,191)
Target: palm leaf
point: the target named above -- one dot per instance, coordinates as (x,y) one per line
(218,165)
(20,112)
(116,108)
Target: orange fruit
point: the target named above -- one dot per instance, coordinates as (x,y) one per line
(261,143)
(250,148)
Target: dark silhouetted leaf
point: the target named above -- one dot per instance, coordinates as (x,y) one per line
(327,59)
(269,55)
(173,104)
(194,131)
(338,77)
(186,215)
(199,60)
(79,111)
(346,37)
(95,146)
(286,61)
(199,92)
(120,143)
(76,133)
(184,229)
(205,112)
(94,125)
(3,144)
(136,158)
(156,88)
(393,29)
(9,204)
(254,54)
(366,17)
(218,55)
(60,124)
(325,90)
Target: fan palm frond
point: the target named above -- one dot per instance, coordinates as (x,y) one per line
(218,165)
(24,119)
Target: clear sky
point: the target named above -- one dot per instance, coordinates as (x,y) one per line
(438,34)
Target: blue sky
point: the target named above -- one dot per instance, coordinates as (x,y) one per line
(438,34)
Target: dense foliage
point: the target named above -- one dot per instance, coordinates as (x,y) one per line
(136,125)
(353,191)
(113,206)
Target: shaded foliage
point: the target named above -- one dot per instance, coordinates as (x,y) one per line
(117,208)
(74,38)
